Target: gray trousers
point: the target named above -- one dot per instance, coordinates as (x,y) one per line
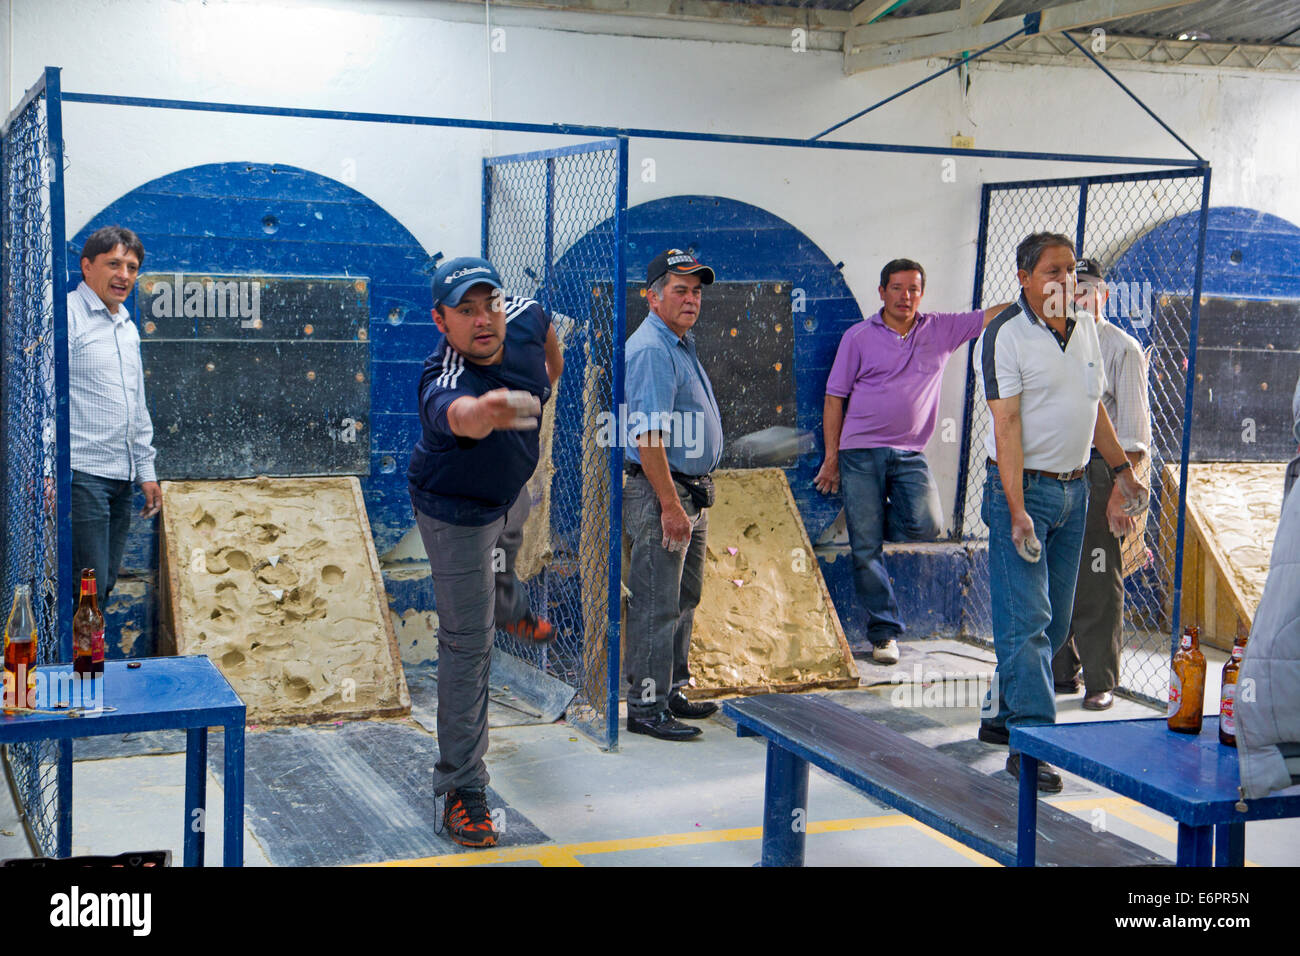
(665,590)
(476,590)
(1097,623)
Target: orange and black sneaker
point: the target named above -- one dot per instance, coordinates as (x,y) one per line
(530,630)
(467,819)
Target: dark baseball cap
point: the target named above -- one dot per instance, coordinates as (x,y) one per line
(457,276)
(679,263)
(1090,268)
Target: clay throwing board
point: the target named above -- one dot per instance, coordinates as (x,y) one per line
(776,630)
(1233,509)
(276,580)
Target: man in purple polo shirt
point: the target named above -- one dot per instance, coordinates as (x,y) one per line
(888,370)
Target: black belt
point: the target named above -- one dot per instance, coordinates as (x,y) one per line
(698,487)
(633,469)
(1058,475)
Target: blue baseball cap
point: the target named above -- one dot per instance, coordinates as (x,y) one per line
(457,276)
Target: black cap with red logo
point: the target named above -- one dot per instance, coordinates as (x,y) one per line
(679,263)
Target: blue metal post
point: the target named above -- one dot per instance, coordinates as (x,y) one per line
(617,353)
(1189,394)
(548,254)
(1079,229)
(233,824)
(487,205)
(63,800)
(1195,845)
(1027,820)
(63,466)
(968,403)
(196,803)
(59,275)
(785,808)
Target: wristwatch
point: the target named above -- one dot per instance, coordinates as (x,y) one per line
(1114,472)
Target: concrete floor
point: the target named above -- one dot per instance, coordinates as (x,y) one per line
(662,804)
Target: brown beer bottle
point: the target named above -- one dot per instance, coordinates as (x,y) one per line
(1228,695)
(1187,683)
(88,628)
(20,652)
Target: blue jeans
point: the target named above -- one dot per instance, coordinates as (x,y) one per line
(888,495)
(1031,603)
(101,518)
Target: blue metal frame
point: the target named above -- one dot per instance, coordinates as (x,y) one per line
(549,156)
(595,146)
(575,129)
(968,402)
(1083,182)
(63,468)
(952,66)
(616,457)
(1165,126)
(1188,400)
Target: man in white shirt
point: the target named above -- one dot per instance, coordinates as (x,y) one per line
(109,426)
(1041,373)
(1097,624)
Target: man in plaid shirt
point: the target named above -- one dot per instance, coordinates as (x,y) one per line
(1097,624)
(111,434)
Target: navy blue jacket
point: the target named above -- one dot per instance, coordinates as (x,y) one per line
(473,482)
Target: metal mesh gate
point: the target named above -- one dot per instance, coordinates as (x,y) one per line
(35,466)
(553,227)
(1154,276)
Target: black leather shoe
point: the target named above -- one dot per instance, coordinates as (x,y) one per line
(1049,781)
(993,735)
(1068,686)
(663,726)
(681,707)
(1102,700)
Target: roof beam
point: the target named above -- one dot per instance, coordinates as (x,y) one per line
(977,11)
(1069,16)
(715,11)
(868,10)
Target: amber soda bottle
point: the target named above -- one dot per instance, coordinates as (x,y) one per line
(1228,694)
(20,653)
(88,628)
(1187,683)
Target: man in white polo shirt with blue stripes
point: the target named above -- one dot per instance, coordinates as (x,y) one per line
(1042,375)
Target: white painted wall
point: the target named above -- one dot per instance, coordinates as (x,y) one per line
(404,56)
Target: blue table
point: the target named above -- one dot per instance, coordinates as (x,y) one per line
(161,693)
(1193,779)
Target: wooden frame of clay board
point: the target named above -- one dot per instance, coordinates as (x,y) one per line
(1211,598)
(171,639)
(832,683)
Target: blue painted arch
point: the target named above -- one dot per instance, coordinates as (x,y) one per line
(256,218)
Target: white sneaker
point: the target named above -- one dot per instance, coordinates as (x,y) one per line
(886,653)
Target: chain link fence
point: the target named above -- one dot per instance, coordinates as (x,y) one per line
(1145,230)
(28,433)
(552,225)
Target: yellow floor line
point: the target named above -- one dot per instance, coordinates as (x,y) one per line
(567,854)
(556,855)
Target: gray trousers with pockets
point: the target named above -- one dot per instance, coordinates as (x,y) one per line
(473,598)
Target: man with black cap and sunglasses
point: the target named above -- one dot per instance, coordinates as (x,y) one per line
(480,396)
(1096,625)
(675,440)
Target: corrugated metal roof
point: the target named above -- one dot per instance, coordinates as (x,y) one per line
(1275,22)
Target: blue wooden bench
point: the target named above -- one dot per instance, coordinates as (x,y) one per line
(972,808)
